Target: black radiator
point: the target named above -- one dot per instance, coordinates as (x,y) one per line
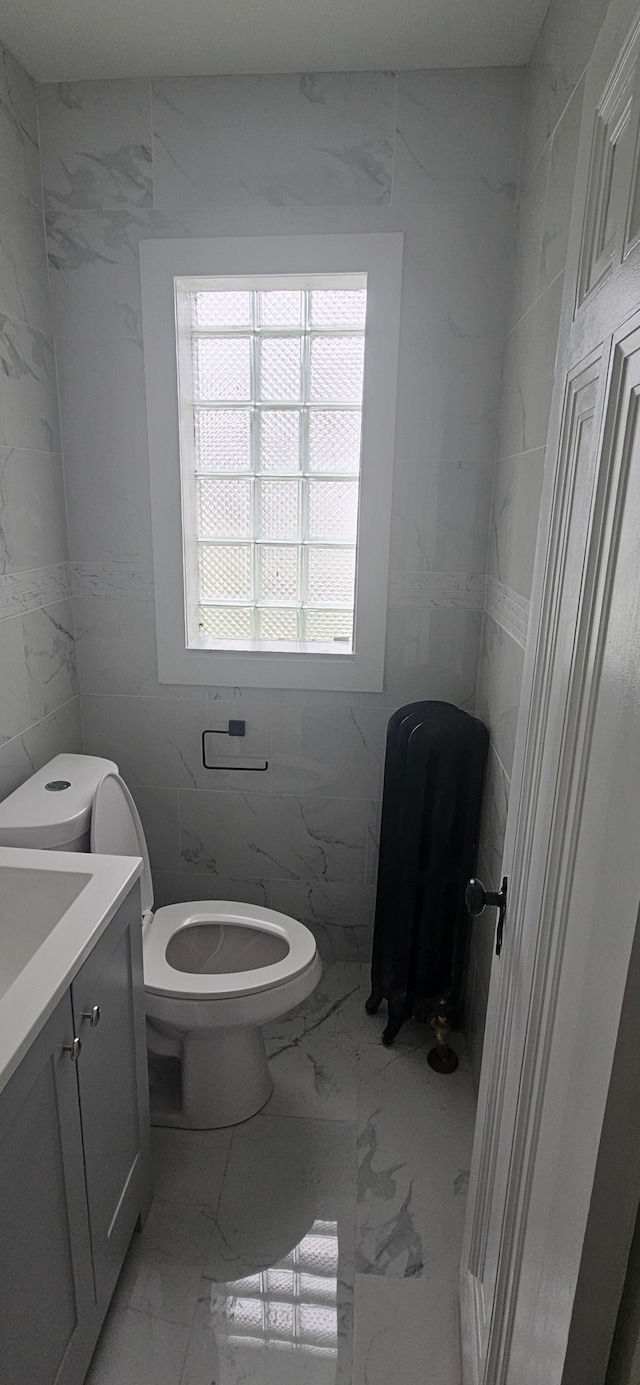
(432,796)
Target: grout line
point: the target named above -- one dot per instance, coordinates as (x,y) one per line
(395,141)
(534,305)
(493,749)
(153,142)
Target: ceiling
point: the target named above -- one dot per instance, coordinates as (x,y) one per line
(68,40)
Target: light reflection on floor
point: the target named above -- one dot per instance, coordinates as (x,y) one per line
(293,1306)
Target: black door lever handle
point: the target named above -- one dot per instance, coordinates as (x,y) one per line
(477,898)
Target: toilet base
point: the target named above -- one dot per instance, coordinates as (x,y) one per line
(224,1079)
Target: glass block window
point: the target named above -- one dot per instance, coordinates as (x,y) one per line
(271,401)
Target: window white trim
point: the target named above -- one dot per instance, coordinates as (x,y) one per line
(379,256)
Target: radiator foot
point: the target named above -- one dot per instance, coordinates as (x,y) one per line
(442,1058)
(398,1015)
(373,1003)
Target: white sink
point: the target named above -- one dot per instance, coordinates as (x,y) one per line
(54,905)
(32,902)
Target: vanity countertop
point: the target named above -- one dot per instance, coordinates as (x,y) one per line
(54,906)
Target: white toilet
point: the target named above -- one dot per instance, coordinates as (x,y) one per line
(214,971)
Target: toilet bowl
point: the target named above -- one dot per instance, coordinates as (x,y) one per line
(214,971)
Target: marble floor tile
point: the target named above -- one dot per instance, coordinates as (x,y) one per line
(313,1050)
(319,1242)
(405,1330)
(415,1133)
(283,1175)
(280,1327)
(157,1288)
(275,1301)
(135,1349)
(188,1165)
(177,1233)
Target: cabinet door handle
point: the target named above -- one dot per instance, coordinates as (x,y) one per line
(73,1050)
(92,1015)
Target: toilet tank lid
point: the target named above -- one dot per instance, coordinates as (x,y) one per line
(47,817)
(116,829)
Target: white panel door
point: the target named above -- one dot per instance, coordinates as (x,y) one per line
(573,838)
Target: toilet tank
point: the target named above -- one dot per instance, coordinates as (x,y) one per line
(51,811)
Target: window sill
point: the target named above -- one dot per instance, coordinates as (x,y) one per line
(292,648)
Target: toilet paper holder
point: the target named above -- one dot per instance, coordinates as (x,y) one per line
(236,729)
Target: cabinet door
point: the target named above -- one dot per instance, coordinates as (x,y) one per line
(46,1282)
(113,1090)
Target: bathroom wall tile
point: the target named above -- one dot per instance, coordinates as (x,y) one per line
(455,280)
(15,713)
(559,58)
(155,741)
(24,754)
(411,1228)
(464,495)
(494,818)
(94,269)
(499,680)
(158,740)
(28,385)
(242,834)
(19,158)
(27,590)
(49,650)
(188,1167)
(24,293)
(240,701)
(332,751)
(109,421)
(407,1321)
(116,645)
(337,944)
(312,1051)
(515,505)
(458,135)
(318,905)
(96,143)
(158,809)
(530,224)
(175,887)
(133,1346)
(282,1176)
(33,530)
(108,506)
(374,823)
(527,376)
(431,653)
(319,140)
(564,152)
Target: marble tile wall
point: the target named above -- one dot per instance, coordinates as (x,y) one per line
(553,105)
(433,154)
(39,713)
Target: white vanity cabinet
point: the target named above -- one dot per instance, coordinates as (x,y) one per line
(74,1163)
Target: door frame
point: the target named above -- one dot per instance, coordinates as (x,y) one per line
(551,755)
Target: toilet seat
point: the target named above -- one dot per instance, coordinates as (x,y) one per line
(116,830)
(163,979)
